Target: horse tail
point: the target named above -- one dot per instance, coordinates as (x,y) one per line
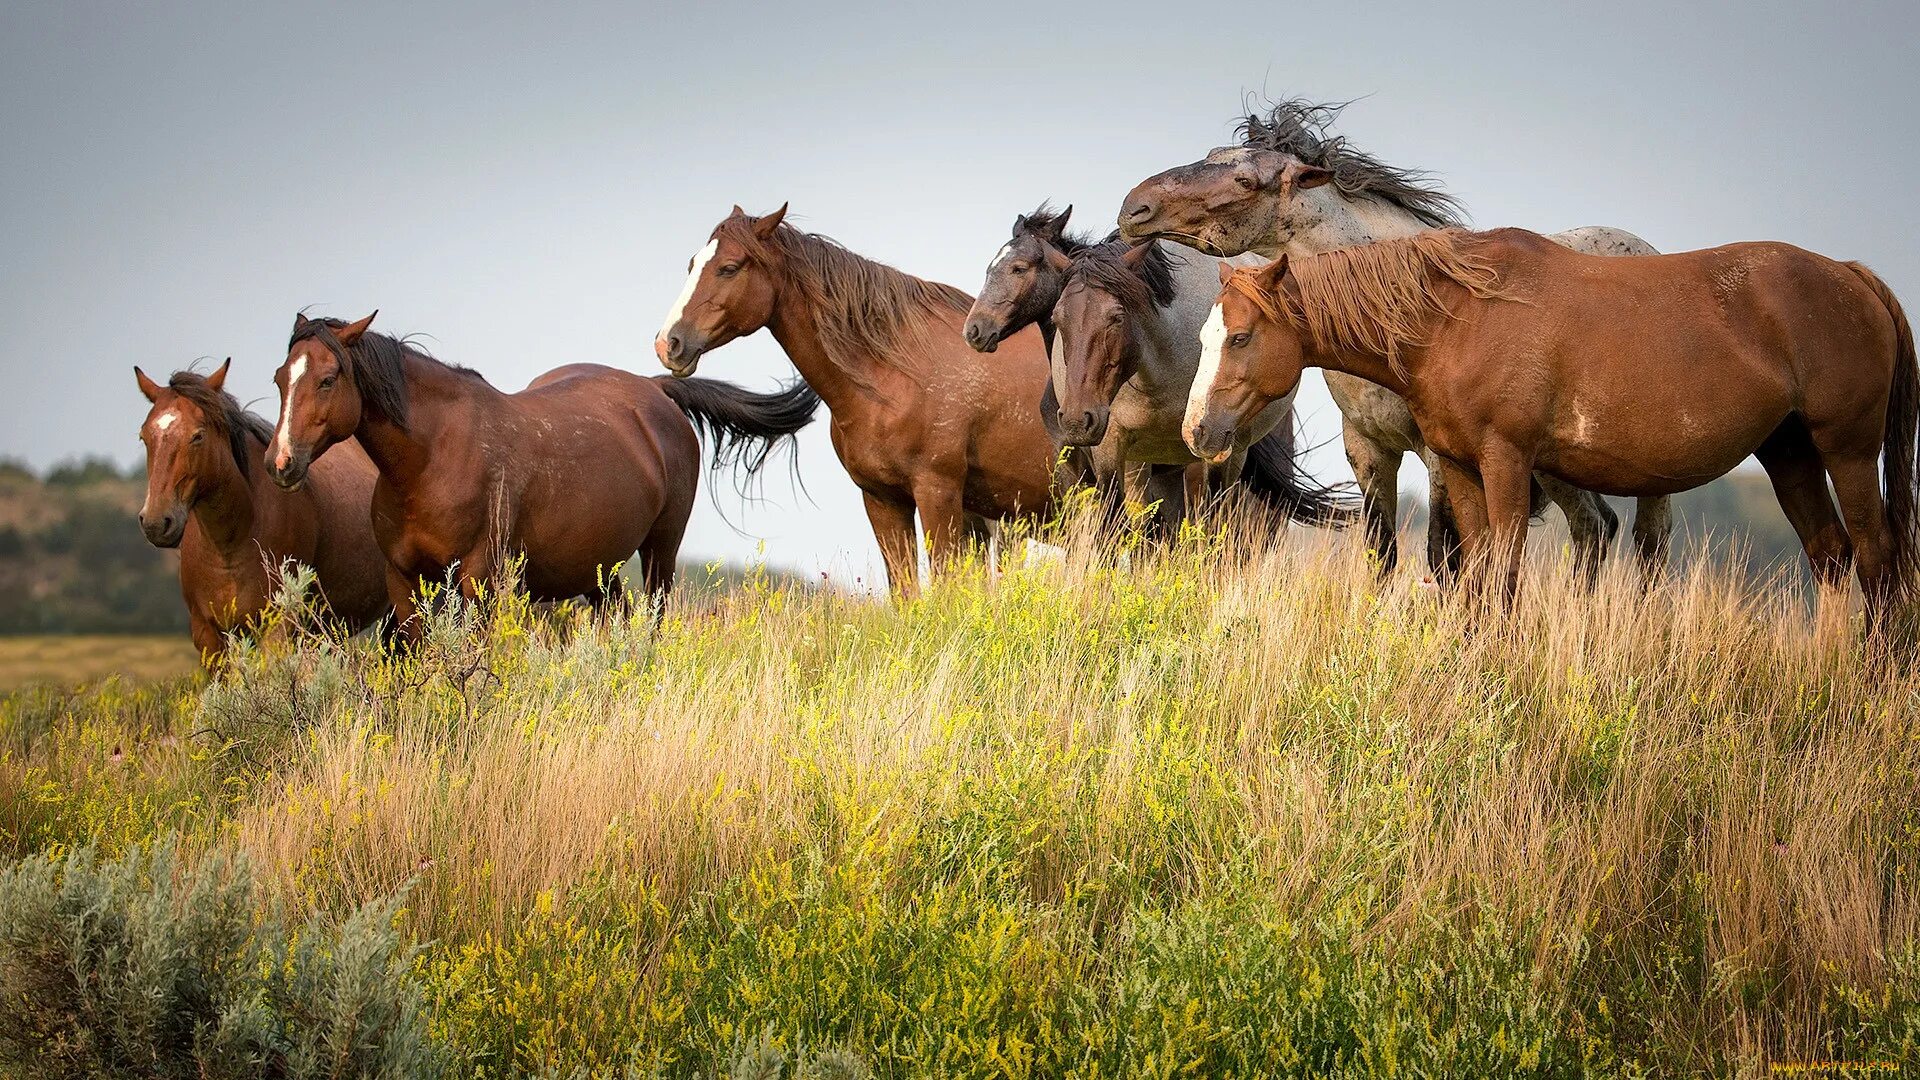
(743,427)
(1898,442)
(1274,477)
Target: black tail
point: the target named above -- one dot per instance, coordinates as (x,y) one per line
(742,427)
(1273,476)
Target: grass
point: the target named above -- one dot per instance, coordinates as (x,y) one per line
(1228,810)
(69,659)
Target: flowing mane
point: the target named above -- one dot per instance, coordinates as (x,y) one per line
(1299,127)
(1043,220)
(1374,298)
(376,360)
(860,305)
(1100,266)
(224,415)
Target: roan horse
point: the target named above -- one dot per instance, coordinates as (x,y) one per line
(1636,377)
(575,473)
(1122,323)
(921,422)
(1291,188)
(207,496)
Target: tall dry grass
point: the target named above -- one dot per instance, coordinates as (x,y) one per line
(1698,799)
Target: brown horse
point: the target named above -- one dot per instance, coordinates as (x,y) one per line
(574,474)
(234,529)
(921,422)
(1638,377)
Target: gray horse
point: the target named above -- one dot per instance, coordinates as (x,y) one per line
(1292,188)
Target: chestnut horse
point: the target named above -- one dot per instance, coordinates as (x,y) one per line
(574,474)
(921,422)
(1123,358)
(207,496)
(1293,188)
(1640,377)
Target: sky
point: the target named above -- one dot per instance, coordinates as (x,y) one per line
(524,184)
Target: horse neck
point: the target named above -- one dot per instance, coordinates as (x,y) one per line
(224,510)
(838,380)
(403,454)
(1329,220)
(1170,352)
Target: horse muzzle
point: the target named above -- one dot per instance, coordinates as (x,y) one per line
(165,530)
(1211,440)
(981,334)
(1085,427)
(290,473)
(678,353)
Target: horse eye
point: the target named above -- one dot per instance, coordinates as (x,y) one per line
(327,383)
(1018,269)
(199,435)
(1245,182)
(728,270)
(1240,340)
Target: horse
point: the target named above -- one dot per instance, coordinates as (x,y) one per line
(1158,293)
(1637,377)
(1292,188)
(920,421)
(572,475)
(234,529)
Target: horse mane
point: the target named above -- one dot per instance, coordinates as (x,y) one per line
(859,304)
(1299,127)
(1374,298)
(377,364)
(1044,218)
(1100,266)
(224,414)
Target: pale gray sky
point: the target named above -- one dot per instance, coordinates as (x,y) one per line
(524,184)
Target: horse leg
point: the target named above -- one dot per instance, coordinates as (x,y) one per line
(1469,513)
(1167,493)
(944,519)
(1376,470)
(1506,483)
(1856,480)
(1800,483)
(403,593)
(1443,531)
(893,528)
(1652,535)
(1591,524)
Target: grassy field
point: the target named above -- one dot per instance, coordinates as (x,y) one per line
(76,658)
(1226,810)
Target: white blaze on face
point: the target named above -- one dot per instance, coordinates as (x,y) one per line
(686,293)
(1213,338)
(295,373)
(165,420)
(1000,256)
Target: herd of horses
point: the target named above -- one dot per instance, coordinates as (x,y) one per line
(1158,364)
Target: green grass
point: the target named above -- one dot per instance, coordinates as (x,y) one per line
(1227,811)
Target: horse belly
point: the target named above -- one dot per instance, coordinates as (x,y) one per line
(1655,447)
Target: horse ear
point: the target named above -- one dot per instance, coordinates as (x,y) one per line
(218,380)
(349,334)
(765,226)
(1056,259)
(1271,274)
(737,212)
(300,323)
(1226,271)
(1019,223)
(1059,229)
(1136,255)
(148,387)
(1300,176)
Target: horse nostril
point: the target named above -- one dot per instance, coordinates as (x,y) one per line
(1139,210)
(1087,419)
(674,345)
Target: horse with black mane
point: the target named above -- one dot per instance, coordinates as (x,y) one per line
(207,496)
(574,474)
